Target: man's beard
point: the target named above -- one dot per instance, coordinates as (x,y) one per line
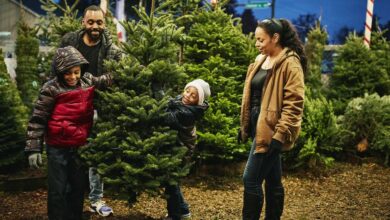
(93,37)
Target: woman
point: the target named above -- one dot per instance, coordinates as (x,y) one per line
(271,113)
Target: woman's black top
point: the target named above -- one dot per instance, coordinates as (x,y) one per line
(257,84)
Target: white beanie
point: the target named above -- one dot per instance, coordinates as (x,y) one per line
(203,89)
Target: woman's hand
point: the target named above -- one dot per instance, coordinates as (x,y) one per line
(274,147)
(239,139)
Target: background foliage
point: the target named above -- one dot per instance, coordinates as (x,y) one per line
(367,122)
(133,150)
(218,52)
(359,70)
(27,77)
(13,122)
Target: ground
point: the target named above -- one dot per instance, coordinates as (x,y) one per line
(345,192)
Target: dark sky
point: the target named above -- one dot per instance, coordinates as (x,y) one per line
(335,13)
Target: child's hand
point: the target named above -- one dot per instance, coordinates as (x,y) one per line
(172,103)
(35,160)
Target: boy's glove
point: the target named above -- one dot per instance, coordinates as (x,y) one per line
(172,103)
(274,147)
(35,160)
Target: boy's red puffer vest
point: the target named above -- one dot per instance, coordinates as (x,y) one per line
(71,118)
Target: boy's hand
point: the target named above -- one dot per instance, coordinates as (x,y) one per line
(35,160)
(173,103)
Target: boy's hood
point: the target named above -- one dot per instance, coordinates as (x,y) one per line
(67,57)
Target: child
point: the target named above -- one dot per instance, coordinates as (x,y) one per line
(183,111)
(63,116)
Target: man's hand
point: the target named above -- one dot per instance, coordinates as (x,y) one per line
(35,160)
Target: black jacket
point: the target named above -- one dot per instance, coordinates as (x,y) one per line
(108,50)
(182,118)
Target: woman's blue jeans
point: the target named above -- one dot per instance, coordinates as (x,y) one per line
(260,167)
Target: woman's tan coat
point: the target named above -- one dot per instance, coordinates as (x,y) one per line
(281,105)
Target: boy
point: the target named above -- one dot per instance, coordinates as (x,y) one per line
(63,116)
(182,113)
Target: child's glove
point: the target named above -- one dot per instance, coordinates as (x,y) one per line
(274,147)
(172,103)
(35,160)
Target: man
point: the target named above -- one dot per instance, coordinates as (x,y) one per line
(93,41)
(95,44)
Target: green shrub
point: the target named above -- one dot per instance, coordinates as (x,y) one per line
(27,77)
(218,52)
(318,136)
(359,70)
(133,150)
(13,123)
(367,121)
(314,47)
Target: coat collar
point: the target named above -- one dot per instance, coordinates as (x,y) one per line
(106,37)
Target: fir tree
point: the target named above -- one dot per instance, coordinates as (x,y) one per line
(381,48)
(317,38)
(53,26)
(218,52)
(304,23)
(230,7)
(182,10)
(359,70)
(318,140)
(27,77)
(12,122)
(249,22)
(133,151)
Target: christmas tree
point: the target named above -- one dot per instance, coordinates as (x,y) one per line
(27,77)
(52,26)
(183,12)
(359,70)
(315,46)
(13,121)
(217,51)
(132,149)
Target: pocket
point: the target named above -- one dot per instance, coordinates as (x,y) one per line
(272,118)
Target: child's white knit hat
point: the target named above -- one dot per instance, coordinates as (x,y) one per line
(203,89)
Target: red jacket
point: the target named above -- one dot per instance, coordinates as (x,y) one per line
(63,115)
(71,118)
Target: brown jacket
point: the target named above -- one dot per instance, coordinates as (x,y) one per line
(281,105)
